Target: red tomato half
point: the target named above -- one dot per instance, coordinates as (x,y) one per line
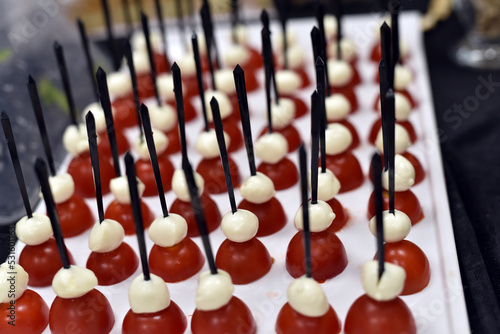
(124,111)
(213,173)
(189,110)
(284,174)
(292,322)
(122,213)
(272,217)
(144,170)
(347,169)
(290,133)
(212,214)
(419,169)
(75,216)
(170,320)
(80,168)
(121,143)
(378,124)
(405,201)
(232,129)
(29,314)
(174,141)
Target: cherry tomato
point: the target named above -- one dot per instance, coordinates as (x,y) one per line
(251,82)
(176,263)
(29,314)
(341,215)
(90,313)
(121,143)
(254,60)
(246,261)
(233,131)
(235,116)
(174,142)
(284,174)
(115,266)
(413,260)
(80,168)
(213,174)
(42,262)
(170,320)
(419,169)
(300,106)
(235,317)
(352,130)
(328,256)
(212,214)
(405,92)
(376,54)
(292,322)
(124,113)
(356,78)
(347,169)
(378,124)
(367,316)
(161,63)
(144,170)
(348,92)
(189,110)
(405,201)
(291,135)
(272,217)
(122,213)
(190,83)
(75,216)
(145,85)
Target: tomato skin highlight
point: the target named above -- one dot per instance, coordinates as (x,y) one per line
(115,266)
(212,214)
(90,313)
(170,320)
(245,262)
(405,201)
(290,321)
(75,216)
(413,260)
(42,262)
(122,213)
(213,173)
(176,263)
(235,317)
(284,174)
(80,168)
(271,215)
(368,316)
(31,314)
(347,169)
(144,170)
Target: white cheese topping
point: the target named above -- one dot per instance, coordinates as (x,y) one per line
(235,54)
(330,25)
(73,282)
(402,77)
(119,188)
(225,106)
(271,147)
(75,139)
(35,230)
(291,38)
(257,188)
(404,174)
(141,146)
(401,140)
(180,188)
(282,114)
(165,84)
(141,62)
(337,107)
(396,226)
(295,56)
(402,106)
(162,117)
(338,138)
(390,284)
(347,48)
(13,282)
(340,72)
(241,32)
(148,296)
(62,187)
(288,82)
(328,185)
(106,236)
(306,296)
(119,83)
(224,80)
(320,216)
(187,65)
(240,226)
(168,231)
(99,117)
(138,41)
(207,145)
(214,291)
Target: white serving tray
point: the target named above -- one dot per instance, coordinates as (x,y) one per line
(439,308)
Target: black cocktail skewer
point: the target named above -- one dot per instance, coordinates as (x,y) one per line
(94,158)
(199,79)
(377,182)
(63,70)
(305,210)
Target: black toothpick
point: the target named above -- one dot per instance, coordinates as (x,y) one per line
(127,17)
(43,178)
(94,159)
(320,81)
(102,85)
(385,44)
(88,57)
(391,149)
(111,38)
(16,163)
(148,133)
(63,70)
(264,18)
(322,138)
(315,130)
(205,19)
(384,86)
(135,89)
(235,18)
(145,29)
(200,216)
(37,108)
(223,152)
(377,182)
(394,7)
(320,17)
(339,11)
(268,76)
(282,8)
(199,78)
(163,30)
(179,103)
(241,91)
(268,59)
(305,210)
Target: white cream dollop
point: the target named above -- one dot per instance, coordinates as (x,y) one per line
(338,138)
(141,146)
(240,226)
(180,188)
(119,188)
(257,188)
(214,291)
(141,62)
(75,139)
(35,230)
(340,73)
(13,282)
(225,106)
(235,54)
(401,140)
(328,185)
(241,33)
(271,148)
(106,236)
(73,282)
(288,82)
(306,296)
(165,83)
(390,284)
(402,77)
(162,117)
(99,117)
(187,66)
(282,114)
(404,174)
(321,216)
(295,57)
(119,83)
(224,80)
(148,296)
(337,107)
(62,187)
(207,145)
(347,48)
(402,106)
(168,231)
(396,226)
